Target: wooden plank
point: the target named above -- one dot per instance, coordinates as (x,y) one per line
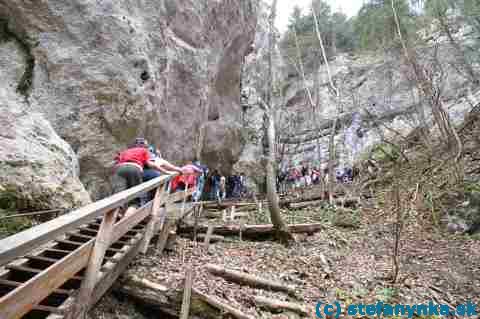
(12,283)
(21,300)
(77,233)
(178,196)
(163,237)
(187,293)
(206,242)
(53,310)
(33,270)
(41,258)
(112,272)
(94,264)
(70,242)
(128,223)
(23,242)
(58,250)
(157,202)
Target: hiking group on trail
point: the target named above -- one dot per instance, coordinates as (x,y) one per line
(305,175)
(142,162)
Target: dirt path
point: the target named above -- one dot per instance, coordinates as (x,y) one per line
(442,269)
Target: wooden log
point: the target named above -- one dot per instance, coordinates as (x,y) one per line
(164,233)
(102,242)
(254,231)
(154,220)
(195,225)
(208,236)
(278,306)
(187,293)
(351,202)
(217,303)
(171,241)
(201,237)
(249,280)
(162,298)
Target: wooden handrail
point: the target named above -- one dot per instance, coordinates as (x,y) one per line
(21,243)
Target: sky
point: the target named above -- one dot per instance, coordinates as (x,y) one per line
(285,8)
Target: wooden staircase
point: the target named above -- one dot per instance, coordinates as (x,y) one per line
(61,268)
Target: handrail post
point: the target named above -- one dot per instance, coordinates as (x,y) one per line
(102,242)
(155,218)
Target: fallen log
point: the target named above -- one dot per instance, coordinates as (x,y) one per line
(187,293)
(163,299)
(217,303)
(351,202)
(202,237)
(253,231)
(249,280)
(278,306)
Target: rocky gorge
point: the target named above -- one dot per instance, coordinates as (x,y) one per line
(82,79)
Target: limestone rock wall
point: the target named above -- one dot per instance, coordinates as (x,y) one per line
(38,169)
(105,72)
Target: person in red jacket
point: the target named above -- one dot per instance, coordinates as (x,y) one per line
(131,162)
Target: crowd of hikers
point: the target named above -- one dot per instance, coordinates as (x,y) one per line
(306,175)
(142,162)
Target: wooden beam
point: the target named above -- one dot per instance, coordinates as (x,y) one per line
(248,279)
(163,237)
(22,299)
(219,304)
(255,230)
(276,305)
(129,222)
(94,264)
(206,242)
(187,293)
(157,202)
(23,242)
(12,283)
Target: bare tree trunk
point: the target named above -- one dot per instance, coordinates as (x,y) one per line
(300,62)
(397,227)
(331,147)
(425,86)
(280,227)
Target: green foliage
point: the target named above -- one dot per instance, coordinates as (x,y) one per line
(336,29)
(375,26)
(472,188)
(10,226)
(386,294)
(8,200)
(344,296)
(384,152)
(463,12)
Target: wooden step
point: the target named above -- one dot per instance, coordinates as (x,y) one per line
(71,233)
(35,257)
(64,241)
(34,271)
(52,310)
(17,284)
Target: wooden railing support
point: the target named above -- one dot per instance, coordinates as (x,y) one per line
(90,255)
(102,242)
(159,199)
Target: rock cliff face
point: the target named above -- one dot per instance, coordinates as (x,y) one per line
(105,72)
(38,169)
(381,89)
